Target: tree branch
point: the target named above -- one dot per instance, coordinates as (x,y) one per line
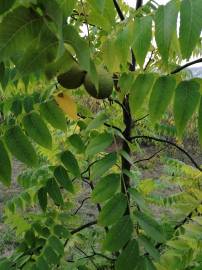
(105,124)
(80,206)
(139,4)
(170,143)
(121,16)
(186,65)
(82,227)
(149,158)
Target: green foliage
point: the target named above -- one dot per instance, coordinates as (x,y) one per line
(142,38)
(129,257)
(20,146)
(98,159)
(119,234)
(190,26)
(5,164)
(165,27)
(186,100)
(161,95)
(53,114)
(37,129)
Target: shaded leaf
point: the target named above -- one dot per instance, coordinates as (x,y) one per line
(6,5)
(39,54)
(42,263)
(150,226)
(119,234)
(28,103)
(42,197)
(70,162)
(99,144)
(129,257)
(20,147)
(63,179)
(50,255)
(5,165)
(61,231)
(77,142)
(103,165)
(17,30)
(16,106)
(106,188)
(54,191)
(113,210)
(53,114)
(149,247)
(56,245)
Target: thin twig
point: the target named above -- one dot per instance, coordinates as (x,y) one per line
(105,124)
(102,255)
(170,143)
(119,103)
(121,16)
(86,256)
(141,118)
(149,61)
(80,206)
(186,65)
(82,227)
(150,157)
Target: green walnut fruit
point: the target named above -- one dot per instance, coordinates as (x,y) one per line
(73,78)
(105,85)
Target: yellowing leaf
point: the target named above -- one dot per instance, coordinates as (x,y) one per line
(67,104)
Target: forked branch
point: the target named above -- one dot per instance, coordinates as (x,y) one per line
(170,143)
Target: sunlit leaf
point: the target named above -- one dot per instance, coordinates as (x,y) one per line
(142,37)
(165,26)
(161,96)
(140,90)
(190,25)
(187,97)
